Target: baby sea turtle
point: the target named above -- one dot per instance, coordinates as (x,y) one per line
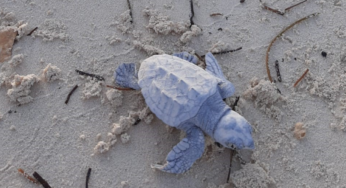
(189,98)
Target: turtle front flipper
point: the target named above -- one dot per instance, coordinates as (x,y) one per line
(186,56)
(185,153)
(226,87)
(125,75)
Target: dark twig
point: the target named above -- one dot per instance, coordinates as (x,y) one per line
(228,51)
(87,178)
(100,78)
(32,31)
(288,8)
(278,70)
(129,5)
(279,35)
(296,83)
(278,11)
(230,165)
(224,52)
(119,88)
(41,180)
(271,9)
(192,14)
(69,95)
(235,103)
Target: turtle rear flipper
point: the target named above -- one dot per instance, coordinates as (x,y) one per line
(126,76)
(226,87)
(185,153)
(186,56)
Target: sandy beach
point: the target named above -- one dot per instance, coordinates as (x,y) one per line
(298,126)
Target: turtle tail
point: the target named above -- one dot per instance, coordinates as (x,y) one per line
(126,76)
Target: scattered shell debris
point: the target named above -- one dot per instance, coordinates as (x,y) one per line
(101,147)
(21,88)
(322,171)
(299,131)
(125,138)
(149,49)
(92,88)
(121,128)
(252,175)
(115,97)
(7,69)
(51,73)
(187,36)
(82,137)
(124,23)
(52,29)
(265,95)
(163,25)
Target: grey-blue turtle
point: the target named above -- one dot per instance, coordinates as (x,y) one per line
(189,98)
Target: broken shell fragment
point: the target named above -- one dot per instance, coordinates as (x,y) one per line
(299,132)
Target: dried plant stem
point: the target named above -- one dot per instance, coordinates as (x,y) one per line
(192,14)
(27,176)
(278,11)
(129,5)
(69,94)
(279,35)
(296,83)
(43,182)
(288,8)
(87,178)
(119,88)
(230,165)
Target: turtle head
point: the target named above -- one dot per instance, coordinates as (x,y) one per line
(234,132)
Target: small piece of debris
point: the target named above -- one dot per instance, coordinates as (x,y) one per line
(112,139)
(51,73)
(82,137)
(125,138)
(299,131)
(124,23)
(324,54)
(101,147)
(125,184)
(98,136)
(187,36)
(12,128)
(92,88)
(115,97)
(21,88)
(124,124)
